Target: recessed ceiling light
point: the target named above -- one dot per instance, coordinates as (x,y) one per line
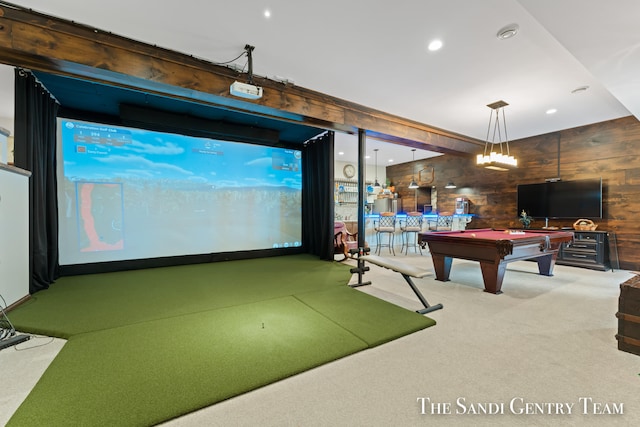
(390,160)
(267,13)
(551,111)
(507,32)
(435,45)
(341,153)
(580,89)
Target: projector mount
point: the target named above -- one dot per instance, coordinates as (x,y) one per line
(248,48)
(247,90)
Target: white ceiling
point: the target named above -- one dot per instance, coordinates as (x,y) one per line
(375,54)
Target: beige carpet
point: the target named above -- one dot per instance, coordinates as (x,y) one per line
(543,344)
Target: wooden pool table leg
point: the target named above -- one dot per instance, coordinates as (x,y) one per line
(493,273)
(546,263)
(442,266)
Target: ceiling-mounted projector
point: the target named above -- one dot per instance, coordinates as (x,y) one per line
(245,90)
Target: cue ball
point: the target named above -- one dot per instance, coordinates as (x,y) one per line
(473,234)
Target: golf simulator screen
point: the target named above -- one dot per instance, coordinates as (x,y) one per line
(127,194)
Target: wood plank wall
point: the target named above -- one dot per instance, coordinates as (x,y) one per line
(610,150)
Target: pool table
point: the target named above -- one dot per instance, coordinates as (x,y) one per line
(494,249)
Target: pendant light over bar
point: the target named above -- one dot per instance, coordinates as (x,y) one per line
(496,153)
(376,183)
(413,184)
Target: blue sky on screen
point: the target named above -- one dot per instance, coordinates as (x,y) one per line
(105,153)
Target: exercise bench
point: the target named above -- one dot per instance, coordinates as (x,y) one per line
(407,271)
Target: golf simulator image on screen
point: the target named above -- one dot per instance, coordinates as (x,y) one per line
(127,193)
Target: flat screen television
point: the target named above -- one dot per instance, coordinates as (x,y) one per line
(561,199)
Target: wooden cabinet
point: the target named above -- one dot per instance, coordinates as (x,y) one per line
(589,249)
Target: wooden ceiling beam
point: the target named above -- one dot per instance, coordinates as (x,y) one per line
(44,43)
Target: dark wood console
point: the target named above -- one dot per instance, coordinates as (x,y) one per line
(589,249)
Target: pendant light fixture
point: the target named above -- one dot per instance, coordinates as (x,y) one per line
(376,183)
(413,184)
(496,154)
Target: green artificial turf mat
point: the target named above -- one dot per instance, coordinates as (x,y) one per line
(77,304)
(150,372)
(373,320)
(150,345)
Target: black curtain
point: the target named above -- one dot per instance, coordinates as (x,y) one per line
(317,191)
(35,151)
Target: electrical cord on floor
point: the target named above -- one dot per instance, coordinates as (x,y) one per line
(22,347)
(6,327)
(7,330)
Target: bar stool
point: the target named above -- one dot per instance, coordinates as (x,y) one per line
(443,222)
(386,224)
(410,228)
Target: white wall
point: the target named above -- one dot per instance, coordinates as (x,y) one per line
(6,113)
(7,90)
(4,149)
(370,172)
(14,234)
